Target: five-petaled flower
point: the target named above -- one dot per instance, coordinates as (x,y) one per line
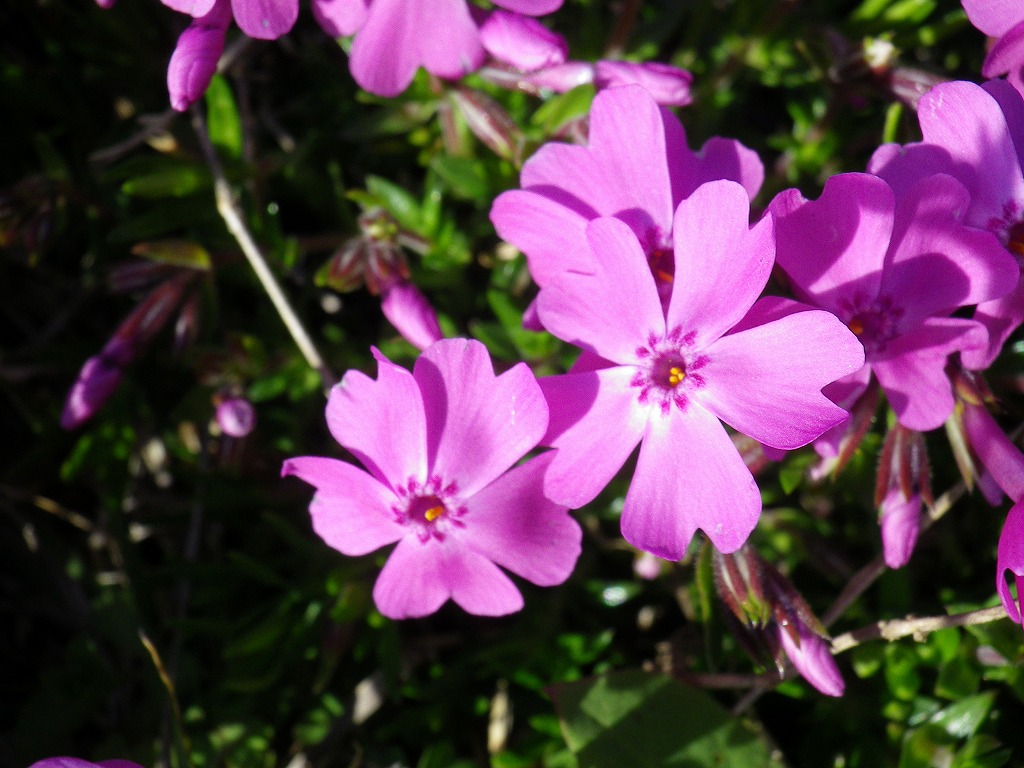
(438,445)
(670,377)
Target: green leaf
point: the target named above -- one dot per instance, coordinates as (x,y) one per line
(635,718)
(463,176)
(395,200)
(556,112)
(178,253)
(962,719)
(222,121)
(172,181)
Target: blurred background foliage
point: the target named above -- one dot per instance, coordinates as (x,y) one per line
(162,597)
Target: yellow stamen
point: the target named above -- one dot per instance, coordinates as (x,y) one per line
(675,375)
(662,275)
(856,326)
(433,513)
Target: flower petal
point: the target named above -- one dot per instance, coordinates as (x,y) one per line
(766,382)
(993,17)
(668,85)
(627,179)
(1000,318)
(595,426)
(719,158)
(194,8)
(912,372)
(409,311)
(721,264)
(351,510)
(522,41)
(689,476)
(513,524)
(833,248)
(340,18)
(478,424)
(900,519)
(935,264)
(265,19)
(411,583)
(903,166)
(997,453)
(967,122)
(381,422)
(612,309)
(195,56)
(401,35)
(530,7)
(1010,557)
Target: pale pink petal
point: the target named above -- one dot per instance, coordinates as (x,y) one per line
(1006,57)
(689,476)
(813,659)
(530,7)
(351,511)
(844,392)
(719,158)
(513,524)
(412,582)
(265,19)
(1010,557)
(340,18)
(903,166)
(833,248)
(595,426)
(912,371)
(996,452)
(522,42)
(478,424)
(552,235)
(670,86)
(967,122)
(562,77)
(194,61)
(1000,318)
(900,520)
(766,382)
(936,264)
(401,35)
(477,585)
(721,265)
(612,310)
(613,177)
(993,17)
(410,313)
(381,422)
(193,8)
(770,308)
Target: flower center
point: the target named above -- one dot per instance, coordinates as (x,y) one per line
(875,324)
(667,370)
(432,508)
(662,264)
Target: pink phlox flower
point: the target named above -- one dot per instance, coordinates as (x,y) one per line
(894,273)
(1010,557)
(1003,20)
(438,445)
(194,61)
(393,38)
(262,19)
(975,134)
(637,167)
(674,375)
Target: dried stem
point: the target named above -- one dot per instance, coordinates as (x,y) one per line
(235,222)
(624,23)
(897,628)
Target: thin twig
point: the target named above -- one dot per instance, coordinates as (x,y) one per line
(624,23)
(897,628)
(232,216)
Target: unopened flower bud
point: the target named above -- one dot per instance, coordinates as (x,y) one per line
(236,417)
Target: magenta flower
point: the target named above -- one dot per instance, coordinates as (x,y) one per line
(1010,557)
(262,19)
(438,445)
(894,273)
(976,135)
(409,311)
(396,37)
(1002,19)
(636,168)
(673,376)
(74,762)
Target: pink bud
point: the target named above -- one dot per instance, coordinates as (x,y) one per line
(410,313)
(561,78)
(95,384)
(236,417)
(901,523)
(1010,557)
(812,658)
(194,61)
